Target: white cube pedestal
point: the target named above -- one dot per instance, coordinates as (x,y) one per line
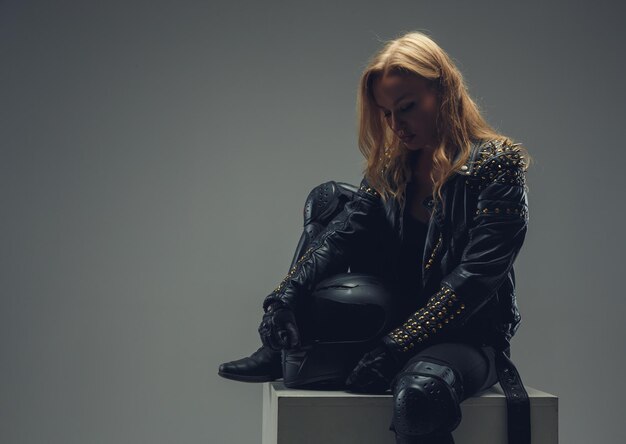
(338,417)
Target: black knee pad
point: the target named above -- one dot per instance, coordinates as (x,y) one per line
(324,202)
(426,399)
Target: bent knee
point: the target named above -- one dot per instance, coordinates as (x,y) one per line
(425,399)
(325,200)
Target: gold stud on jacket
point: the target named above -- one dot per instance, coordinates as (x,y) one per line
(496,234)
(440,310)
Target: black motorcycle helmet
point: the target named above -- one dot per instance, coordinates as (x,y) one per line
(345,316)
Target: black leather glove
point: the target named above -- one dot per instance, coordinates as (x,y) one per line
(279,330)
(375,370)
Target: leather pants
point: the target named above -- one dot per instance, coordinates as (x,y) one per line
(427,392)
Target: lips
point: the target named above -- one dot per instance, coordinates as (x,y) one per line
(407,138)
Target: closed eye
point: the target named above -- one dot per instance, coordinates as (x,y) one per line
(403,109)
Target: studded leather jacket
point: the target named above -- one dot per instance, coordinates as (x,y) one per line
(474,236)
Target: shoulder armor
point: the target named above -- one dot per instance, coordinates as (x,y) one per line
(494,161)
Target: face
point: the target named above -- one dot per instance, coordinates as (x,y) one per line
(409,107)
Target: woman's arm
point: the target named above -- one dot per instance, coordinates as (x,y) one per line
(329,251)
(495,239)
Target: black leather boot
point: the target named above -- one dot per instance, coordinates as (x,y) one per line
(322,203)
(263,365)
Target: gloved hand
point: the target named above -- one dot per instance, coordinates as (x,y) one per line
(375,370)
(279,330)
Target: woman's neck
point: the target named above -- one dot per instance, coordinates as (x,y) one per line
(421,166)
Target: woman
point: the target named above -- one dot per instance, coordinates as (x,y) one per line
(442,208)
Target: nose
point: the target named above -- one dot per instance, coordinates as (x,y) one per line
(397,124)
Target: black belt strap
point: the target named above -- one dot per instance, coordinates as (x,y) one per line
(517,402)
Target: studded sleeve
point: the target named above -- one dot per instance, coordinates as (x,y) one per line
(329,251)
(496,236)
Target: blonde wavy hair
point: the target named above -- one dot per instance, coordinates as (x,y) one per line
(459,121)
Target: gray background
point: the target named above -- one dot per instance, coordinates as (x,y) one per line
(155,157)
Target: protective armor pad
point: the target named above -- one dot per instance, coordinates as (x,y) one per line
(426,399)
(325,201)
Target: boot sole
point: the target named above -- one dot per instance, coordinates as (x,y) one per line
(247,378)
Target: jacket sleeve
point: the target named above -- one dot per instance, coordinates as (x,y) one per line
(329,251)
(496,236)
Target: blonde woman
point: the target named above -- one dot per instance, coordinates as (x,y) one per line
(429,238)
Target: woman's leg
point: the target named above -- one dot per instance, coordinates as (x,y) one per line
(430,387)
(321,205)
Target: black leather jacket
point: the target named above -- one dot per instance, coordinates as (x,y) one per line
(474,236)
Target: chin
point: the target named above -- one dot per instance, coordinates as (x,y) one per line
(413,146)
(417,146)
